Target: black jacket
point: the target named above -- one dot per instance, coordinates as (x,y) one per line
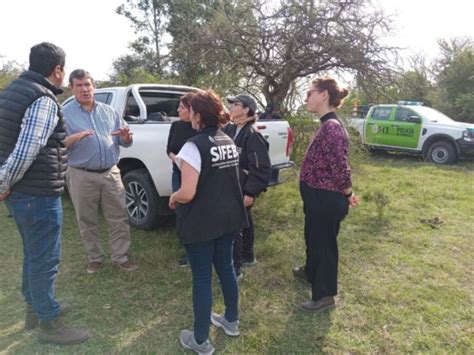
(45,176)
(254,161)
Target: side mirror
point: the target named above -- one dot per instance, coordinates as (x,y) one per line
(414,119)
(130,118)
(156,116)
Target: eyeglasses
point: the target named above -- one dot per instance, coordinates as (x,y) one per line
(309,92)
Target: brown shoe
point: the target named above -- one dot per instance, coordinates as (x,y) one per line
(128,265)
(94,266)
(300,273)
(32,320)
(319,305)
(56,332)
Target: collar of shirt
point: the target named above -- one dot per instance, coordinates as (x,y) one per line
(328,116)
(78,105)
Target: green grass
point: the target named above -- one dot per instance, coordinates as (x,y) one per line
(404,286)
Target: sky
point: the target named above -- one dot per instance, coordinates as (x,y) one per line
(93,35)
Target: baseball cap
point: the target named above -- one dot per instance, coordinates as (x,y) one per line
(247,100)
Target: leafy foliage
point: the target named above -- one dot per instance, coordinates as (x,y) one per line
(276,44)
(257,46)
(455,79)
(8,71)
(148,19)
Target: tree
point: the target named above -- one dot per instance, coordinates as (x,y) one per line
(8,71)
(260,46)
(411,85)
(148,18)
(455,79)
(274,45)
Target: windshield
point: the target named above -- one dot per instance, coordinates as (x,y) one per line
(431,114)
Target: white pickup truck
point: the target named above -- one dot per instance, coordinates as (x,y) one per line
(146,169)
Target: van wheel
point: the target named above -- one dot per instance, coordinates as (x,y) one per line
(442,152)
(141,199)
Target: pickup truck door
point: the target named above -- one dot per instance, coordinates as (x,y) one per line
(377,125)
(405,129)
(276,133)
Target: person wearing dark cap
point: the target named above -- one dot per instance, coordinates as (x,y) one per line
(32,171)
(254,169)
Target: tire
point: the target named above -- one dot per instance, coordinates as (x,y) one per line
(141,199)
(442,152)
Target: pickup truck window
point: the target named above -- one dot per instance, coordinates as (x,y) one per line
(381,113)
(159,105)
(104,97)
(403,114)
(132,108)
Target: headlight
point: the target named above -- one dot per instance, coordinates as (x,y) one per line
(468,135)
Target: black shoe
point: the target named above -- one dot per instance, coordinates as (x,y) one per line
(238,275)
(319,305)
(300,273)
(183,261)
(249,262)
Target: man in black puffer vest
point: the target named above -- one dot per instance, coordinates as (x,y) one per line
(32,170)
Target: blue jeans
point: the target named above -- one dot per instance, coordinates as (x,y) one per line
(39,220)
(201,257)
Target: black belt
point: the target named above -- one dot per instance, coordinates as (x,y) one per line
(98,171)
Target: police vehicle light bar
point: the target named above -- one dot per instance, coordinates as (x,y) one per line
(410,103)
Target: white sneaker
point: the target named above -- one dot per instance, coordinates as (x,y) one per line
(188,341)
(230,328)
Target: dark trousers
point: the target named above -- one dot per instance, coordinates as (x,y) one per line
(243,243)
(324,210)
(175,179)
(248,238)
(202,256)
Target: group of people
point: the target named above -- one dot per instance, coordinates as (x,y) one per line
(219,169)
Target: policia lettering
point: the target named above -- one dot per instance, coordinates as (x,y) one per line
(401,131)
(406,132)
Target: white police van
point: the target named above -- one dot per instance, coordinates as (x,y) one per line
(411,127)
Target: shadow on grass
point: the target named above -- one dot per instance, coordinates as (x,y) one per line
(304,333)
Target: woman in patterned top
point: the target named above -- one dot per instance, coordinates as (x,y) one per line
(326,190)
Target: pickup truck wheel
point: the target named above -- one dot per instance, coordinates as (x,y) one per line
(141,199)
(442,152)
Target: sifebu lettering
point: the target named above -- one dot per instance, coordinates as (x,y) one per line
(224,152)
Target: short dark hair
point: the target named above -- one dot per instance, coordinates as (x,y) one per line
(210,107)
(80,74)
(45,57)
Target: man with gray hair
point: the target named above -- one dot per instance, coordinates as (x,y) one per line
(32,169)
(95,133)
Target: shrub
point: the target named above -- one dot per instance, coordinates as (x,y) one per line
(304,126)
